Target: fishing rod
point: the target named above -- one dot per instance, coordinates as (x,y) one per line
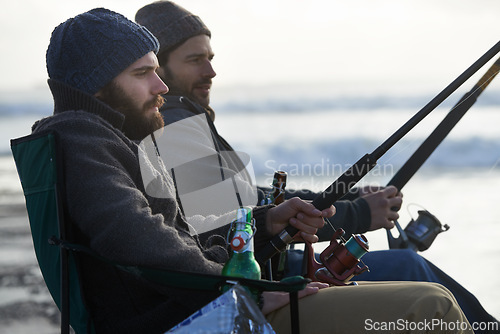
(357,171)
(418,158)
(413,164)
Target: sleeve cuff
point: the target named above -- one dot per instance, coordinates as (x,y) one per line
(364,215)
(262,236)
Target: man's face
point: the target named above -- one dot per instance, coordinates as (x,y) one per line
(189,70)
(136,93)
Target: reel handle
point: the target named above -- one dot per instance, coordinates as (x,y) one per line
(339,261)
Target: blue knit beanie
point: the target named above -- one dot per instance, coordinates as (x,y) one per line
(88,51)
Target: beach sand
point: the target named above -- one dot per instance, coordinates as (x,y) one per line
(25,302)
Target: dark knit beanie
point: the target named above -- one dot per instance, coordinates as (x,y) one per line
(88,51)
(170,23)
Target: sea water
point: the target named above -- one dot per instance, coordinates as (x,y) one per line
(314,141)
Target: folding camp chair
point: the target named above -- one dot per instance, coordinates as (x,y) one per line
(38,160)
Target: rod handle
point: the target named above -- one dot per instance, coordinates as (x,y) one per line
(330,195)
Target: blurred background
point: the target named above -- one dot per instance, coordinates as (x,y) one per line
(309,89)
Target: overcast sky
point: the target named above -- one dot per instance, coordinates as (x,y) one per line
(365,44)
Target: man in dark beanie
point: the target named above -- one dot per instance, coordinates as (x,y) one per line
(107,95)
(185,66)
(174,26)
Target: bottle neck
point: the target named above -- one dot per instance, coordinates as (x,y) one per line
(248,247)
(244,254)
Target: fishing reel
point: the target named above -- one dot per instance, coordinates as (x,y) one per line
(419,234)
(339,261)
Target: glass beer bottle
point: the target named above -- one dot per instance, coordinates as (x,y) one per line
(277,193)
(242,262)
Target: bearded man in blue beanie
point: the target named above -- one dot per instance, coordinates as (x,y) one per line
(107,95)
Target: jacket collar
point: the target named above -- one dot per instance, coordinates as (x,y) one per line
(69,98)
(174,101)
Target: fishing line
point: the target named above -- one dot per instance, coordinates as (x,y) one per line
(414,204)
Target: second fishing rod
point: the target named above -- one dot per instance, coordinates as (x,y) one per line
(420,233)
(357,171)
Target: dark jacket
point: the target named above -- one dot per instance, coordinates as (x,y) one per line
(353,213)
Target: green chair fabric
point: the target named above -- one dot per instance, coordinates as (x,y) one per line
(39,164)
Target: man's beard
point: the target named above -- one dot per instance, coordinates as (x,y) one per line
(136,125)
(176,90)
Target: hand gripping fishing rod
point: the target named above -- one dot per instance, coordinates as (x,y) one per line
(357,171)
(413,164)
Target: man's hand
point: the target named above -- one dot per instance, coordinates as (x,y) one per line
(301,215)
(382,202)
(274,300)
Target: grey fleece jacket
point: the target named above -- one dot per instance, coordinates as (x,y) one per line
(110,211)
